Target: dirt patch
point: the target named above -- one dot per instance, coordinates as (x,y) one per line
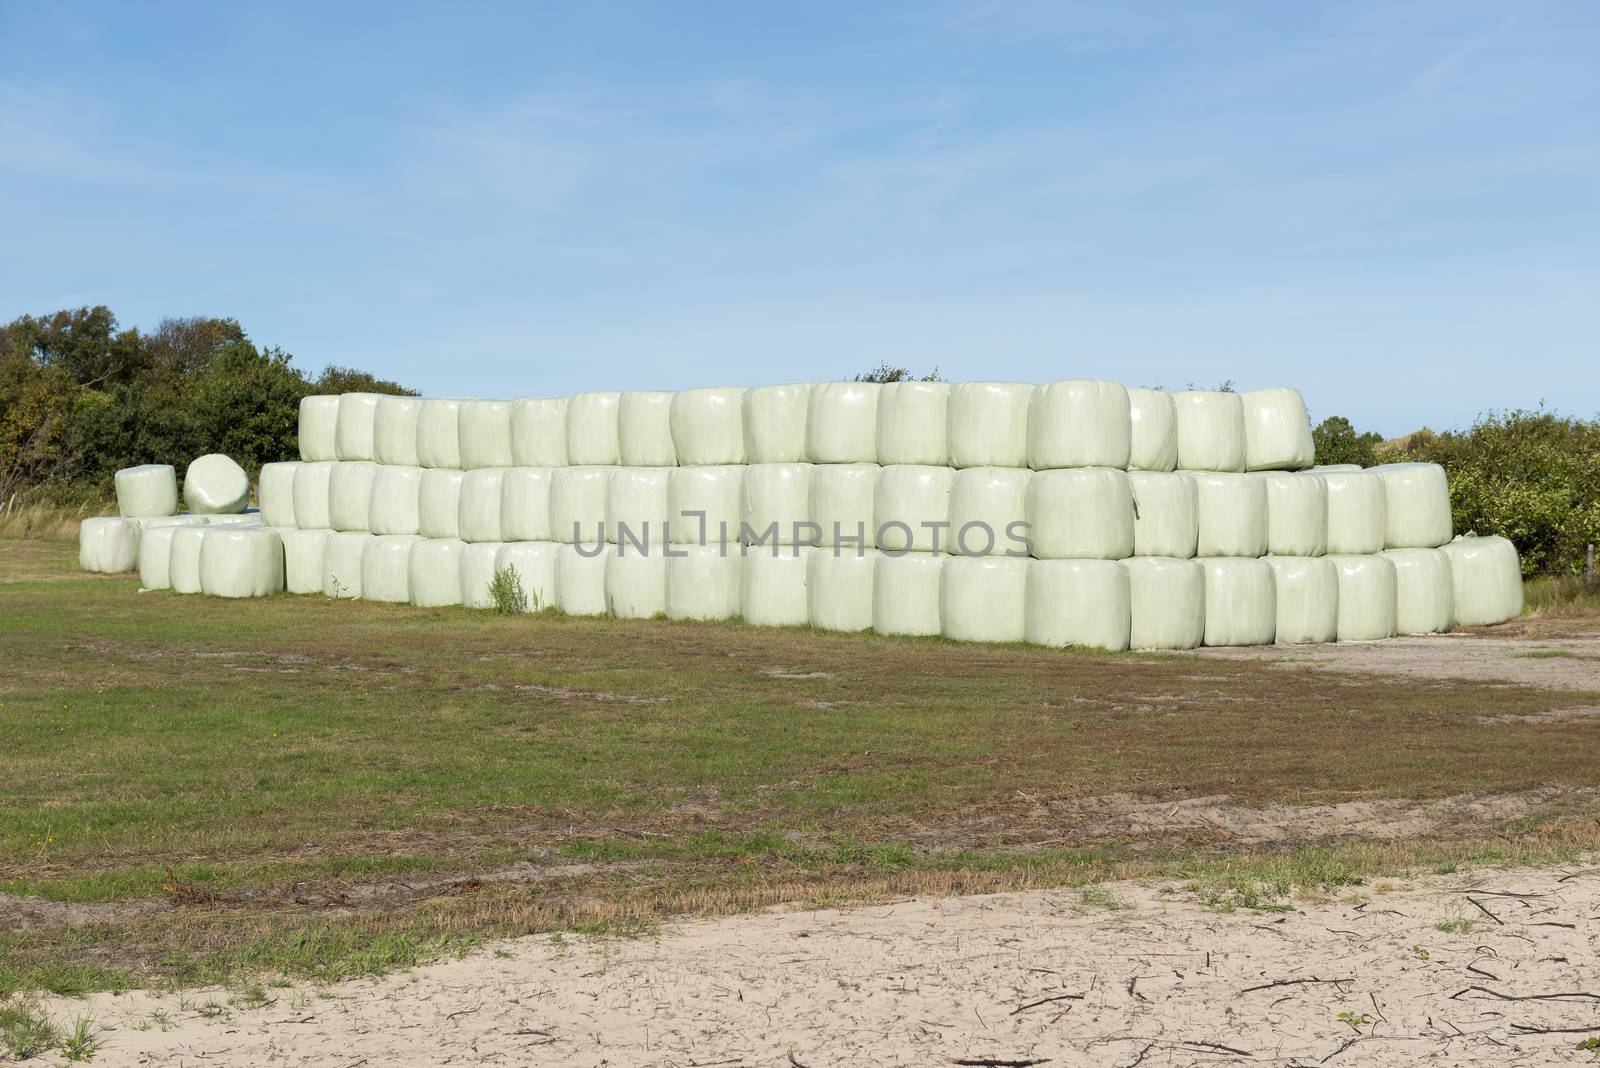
(20,913)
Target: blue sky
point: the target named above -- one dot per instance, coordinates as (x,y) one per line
(1393,206)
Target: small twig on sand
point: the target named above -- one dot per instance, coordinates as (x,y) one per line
(1046,1001)
(1563,996)
(1293,982)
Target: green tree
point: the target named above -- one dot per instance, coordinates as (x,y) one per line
(1337,442)
(349,380)
(886,372)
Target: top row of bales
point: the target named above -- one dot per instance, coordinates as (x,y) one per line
(1072,423)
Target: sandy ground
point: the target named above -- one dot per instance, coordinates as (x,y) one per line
(1044,977)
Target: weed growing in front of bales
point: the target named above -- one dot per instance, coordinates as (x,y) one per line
(25,1031)
(506,592)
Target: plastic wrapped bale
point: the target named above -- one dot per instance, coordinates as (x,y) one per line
(637,508)
(714,491)
(1324,468)
(394,431)
(581,579)
(1367,597)
(396,504)
(525,504)
(485,430)
(1241,601)
(319,428)
(478,561)
(1167,600)
(303,553)
(1210,430)
(578,504)
(386,567)
(155,557)
(275,493)
(1078,602)
(108,544)
(636,583)
(913,423)
(910,507)
(478,518)
(988,511)
(1277,432)
(772,588)
(839,589)
(183,563)
(775,423)
(1416,511)
(355,429)
(350,494)
(311,481)
(708,426)
(147,490)
(1153,430)
(905,593)
(539,432)
(1425,600)
(1357,512)
(775,505)
(1166,514)
(241,562)
(1486,578)
(842,423)
(988,424)
(215,485)
(842,502)
(1232,513)
(983,599)
(439,434)
(535,565)
(644,429)
(703,583)
(1307,592)
(592,430)
(1297,513)
(1079,422)
(1080,513)
(439,502)
(341,563)
(242,519)
(433,572)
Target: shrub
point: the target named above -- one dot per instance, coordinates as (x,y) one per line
(506,592)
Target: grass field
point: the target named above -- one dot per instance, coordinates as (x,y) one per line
(204,789)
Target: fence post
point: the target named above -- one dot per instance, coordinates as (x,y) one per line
(1588,563)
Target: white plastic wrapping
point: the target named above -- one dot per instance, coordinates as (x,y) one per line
(439,433)
(1357,512)
(485,430)
(775,423)
(439,503)
(1425,598)
(1486,578)
(772,589)
(1277,432)
(396,503)
(905,593)
(842,497)
(525,504)
(1307,592)
(319,427)
(241,562)
(433,572)
(1210,430)
(988,512)
(578,504)
(478,517)
(215,485)
(539,432)
(1078,602)
(1366,597)
(1241,601)
(581,579)
(775,505)
(353,439)
(386,567)
(478,562)
(703,583)
(109,544)
(715,491)
(839,589)
(303,552)
(1167,603)
(638,507)
(275,493)
(1323,468)
(342,553)
(147,490)
(240,519)
(708,426)
(1080,513)
(913,423)
(535,564)
(1232,510)
(842,423)
(1416,505)
(183,563)
(983,599)
(910,505)
(1079,422)
(394,431)
(350,494)
(644,429)
(636,584)
(592,430)
(311,495)
(1153,430)
(1166,514)
(988,424)
(155,556)
(1297,513)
